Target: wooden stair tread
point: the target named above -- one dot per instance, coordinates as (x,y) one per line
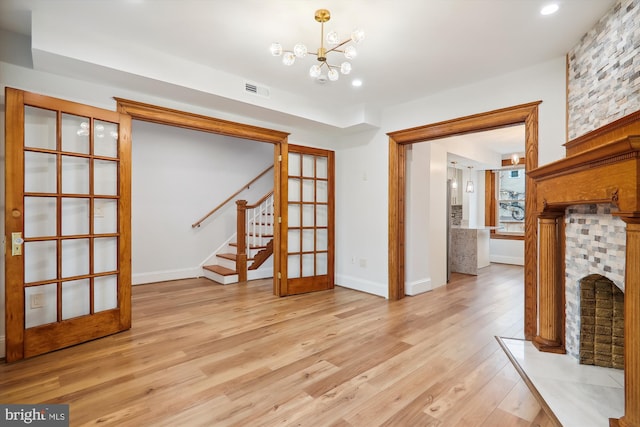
(230,256)
(223,271)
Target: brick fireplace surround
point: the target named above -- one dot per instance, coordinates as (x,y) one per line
(602,166)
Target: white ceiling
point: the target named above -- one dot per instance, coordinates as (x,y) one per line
(413,48)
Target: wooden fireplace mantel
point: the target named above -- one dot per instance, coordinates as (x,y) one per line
(602,166)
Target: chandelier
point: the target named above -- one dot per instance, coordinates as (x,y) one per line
(335,45)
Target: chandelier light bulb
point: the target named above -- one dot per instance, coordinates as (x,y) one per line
(350,52)
(288,58)
(345,68)
(515,159)
(300,50)
(315,71)
(357,35)
(333,38)
(276,49)
(333,75)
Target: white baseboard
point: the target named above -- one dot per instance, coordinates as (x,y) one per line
(501,259)
(369,287)
(163,276)
(417,287)
(261,273)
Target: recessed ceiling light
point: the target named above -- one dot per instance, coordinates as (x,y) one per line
(356,83)
(549,9)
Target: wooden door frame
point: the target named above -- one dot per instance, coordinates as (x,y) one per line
(526,114)
(182,119)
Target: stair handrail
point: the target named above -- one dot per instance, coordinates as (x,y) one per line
(244,187)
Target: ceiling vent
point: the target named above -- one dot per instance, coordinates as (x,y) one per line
(256,90)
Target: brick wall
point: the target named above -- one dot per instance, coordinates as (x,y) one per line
(604,71)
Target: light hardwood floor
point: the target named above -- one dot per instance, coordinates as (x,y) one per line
(201,354)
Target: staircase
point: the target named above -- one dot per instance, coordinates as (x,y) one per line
(247,254)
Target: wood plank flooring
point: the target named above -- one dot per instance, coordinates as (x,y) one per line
(201,354)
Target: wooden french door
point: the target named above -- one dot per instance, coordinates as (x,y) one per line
(67,221)
(307,229)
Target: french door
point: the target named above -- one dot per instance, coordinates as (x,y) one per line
(307,220)
(67,220)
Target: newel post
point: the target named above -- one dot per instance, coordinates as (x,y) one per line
(550,298)
(241,233)
(631,416)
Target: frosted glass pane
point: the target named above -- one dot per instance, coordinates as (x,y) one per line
(75,257)
(294,215)
(40,261)
(308,269)
(105,139)
(105,216)
(105,177)
(39,172)
(294,190)
(322,167)
(75,134)
(105,293)
(322,239)
(75,298)
(105,254)
(75,216)
(308,190)
(75,175)
(293,241)
(308,244)
(39,216)
(322,191)
(41,315)
(294,164)
(308,168)
(322,212)
(293,266)
(307,215)
(39,128)
(322,265)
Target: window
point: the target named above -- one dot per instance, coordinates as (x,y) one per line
(510,201)
(505,203)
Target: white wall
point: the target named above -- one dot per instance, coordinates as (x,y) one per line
(417,219)
(179,175)
(362,212)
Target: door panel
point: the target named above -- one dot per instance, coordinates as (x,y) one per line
(68,209)
(308,224)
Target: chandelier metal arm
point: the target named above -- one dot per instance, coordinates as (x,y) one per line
(335,48)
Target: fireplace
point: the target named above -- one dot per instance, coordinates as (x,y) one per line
(601,168)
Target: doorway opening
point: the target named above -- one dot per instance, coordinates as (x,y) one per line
(526,114)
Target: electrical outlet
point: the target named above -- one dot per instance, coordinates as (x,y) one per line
(37,300)
(363,262)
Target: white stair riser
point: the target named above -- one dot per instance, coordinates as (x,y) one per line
(226,263)
(223,280)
